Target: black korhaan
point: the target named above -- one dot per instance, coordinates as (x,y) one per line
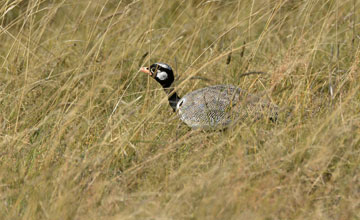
(213,107)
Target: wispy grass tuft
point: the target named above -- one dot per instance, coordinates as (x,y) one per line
(84,135)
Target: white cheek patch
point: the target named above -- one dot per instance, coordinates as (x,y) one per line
(162,75)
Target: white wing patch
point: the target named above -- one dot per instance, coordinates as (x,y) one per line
(162,75)
(180,103)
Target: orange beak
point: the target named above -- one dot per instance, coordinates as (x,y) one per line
(146,70)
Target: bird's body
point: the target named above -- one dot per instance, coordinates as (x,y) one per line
(209,107)
(213,107)
(216,107)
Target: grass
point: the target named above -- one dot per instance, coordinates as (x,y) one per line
(84,135)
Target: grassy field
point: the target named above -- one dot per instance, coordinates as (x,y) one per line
(85,135)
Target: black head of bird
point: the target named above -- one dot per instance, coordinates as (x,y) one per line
(164,75)
(161,72)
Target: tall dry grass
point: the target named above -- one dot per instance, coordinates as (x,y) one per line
(84,135)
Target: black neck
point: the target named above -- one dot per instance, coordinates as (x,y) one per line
(173,98)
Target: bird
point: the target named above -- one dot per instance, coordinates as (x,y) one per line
(213,107)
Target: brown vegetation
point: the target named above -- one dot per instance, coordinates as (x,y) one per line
(84,135)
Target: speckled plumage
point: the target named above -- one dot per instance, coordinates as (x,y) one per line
(216,107)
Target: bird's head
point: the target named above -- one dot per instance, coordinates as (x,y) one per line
(161,72)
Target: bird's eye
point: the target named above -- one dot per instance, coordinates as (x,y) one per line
(153,69)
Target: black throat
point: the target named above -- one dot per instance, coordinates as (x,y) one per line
(172,97)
